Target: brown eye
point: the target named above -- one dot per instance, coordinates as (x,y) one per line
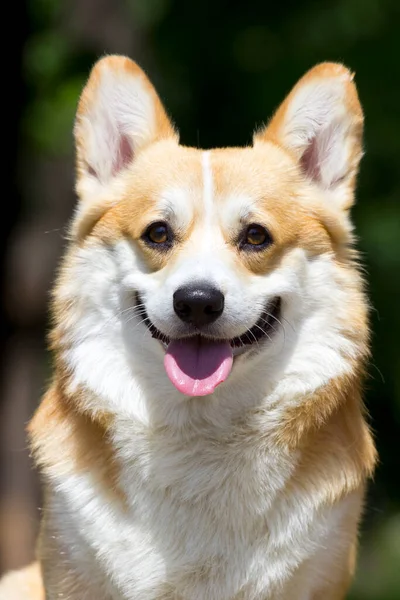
(158,233)
(256,236)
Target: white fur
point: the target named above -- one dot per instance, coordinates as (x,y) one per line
(154,542)
(208,189)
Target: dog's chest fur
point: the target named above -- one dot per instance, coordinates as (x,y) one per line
(199,517)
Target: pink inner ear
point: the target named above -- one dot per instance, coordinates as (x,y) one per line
(124,155)
(310,160)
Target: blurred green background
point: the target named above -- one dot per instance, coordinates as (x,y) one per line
(221,67)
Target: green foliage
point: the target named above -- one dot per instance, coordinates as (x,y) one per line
(147,14)
(48,121)
(379,574)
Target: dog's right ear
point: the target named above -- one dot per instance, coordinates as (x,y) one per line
(321,124)
(119,113)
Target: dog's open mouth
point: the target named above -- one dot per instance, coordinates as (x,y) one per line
(197,364)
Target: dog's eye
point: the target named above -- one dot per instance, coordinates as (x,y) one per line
(257,236)
(158,233)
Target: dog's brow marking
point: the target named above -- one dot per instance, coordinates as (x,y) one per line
(208,186)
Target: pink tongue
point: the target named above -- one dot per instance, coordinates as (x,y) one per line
(196,366)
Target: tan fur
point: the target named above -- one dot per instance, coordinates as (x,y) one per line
(84,438)
(23,585)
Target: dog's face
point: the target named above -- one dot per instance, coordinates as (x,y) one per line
(204,260)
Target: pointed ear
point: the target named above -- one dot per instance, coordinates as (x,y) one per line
(119,113)
(321,123)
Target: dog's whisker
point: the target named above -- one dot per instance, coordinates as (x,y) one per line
(263,331)
(140,322)
(133,307)
(267,323)
(255,339)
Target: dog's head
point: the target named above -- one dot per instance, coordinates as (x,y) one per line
(209,262)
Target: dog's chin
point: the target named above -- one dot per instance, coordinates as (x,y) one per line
(253,339)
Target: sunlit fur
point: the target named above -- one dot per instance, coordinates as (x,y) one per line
(254,492)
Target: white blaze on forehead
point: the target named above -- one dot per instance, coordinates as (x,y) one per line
(208,188)
(210,234)
(197,261)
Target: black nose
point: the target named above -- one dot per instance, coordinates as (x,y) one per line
(200,305)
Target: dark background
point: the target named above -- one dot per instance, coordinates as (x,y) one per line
(221,68)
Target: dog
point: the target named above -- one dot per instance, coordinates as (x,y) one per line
(204,436)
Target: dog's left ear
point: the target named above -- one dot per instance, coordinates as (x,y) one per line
(321,124)
(119,114)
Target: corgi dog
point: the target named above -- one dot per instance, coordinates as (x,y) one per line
(204,436)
